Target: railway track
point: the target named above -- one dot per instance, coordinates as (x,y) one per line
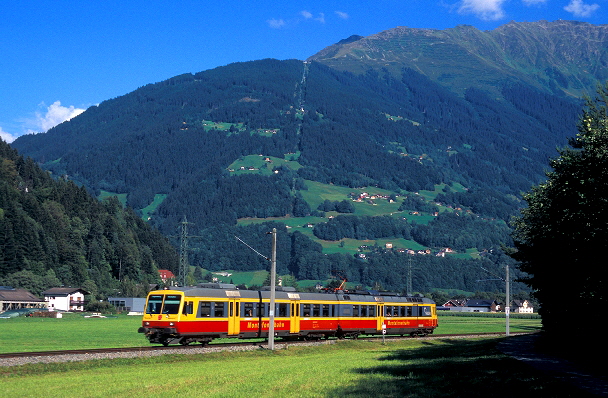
(197,348)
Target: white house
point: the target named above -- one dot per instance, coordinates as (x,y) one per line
(522,307)
(65,298)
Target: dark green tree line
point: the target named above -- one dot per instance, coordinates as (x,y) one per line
(561,235)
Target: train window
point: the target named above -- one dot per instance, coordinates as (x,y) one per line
(346,310)
(316,310)
(155,302)
(363,310)
(171,305)
(188,308)
(204,309)
(263,309)
(306,310)
(247,310)
(219,309)
(355,310)
(408,311)
(388,310)
(372,311)
(283,309)
(425,311)
(325,310)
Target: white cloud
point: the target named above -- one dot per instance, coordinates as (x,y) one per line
(489,10)
(276,23)
(302,17)
(533,2)
(580,9)
(8,137)
(341,14)
(306,14)
(309,15)
(55,114)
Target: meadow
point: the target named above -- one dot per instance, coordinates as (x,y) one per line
(76,332)
(405,368)
(445,367)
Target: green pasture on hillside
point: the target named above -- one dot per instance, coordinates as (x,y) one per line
(406,368)
(76,332)
(122,197)
(151,208)
(248,278)
(318,192)
(260,164)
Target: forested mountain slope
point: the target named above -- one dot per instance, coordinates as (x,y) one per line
(54,233)
(180,136)
(359,114)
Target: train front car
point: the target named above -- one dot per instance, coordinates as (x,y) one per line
(413,315)
(162,315)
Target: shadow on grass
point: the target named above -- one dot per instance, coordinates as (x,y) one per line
(453,368)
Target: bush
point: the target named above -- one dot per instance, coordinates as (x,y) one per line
(100,306)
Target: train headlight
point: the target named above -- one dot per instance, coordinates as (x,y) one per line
(147,323)
(170,323)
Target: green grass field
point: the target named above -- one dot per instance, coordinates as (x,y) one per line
(76,332)
(407,368)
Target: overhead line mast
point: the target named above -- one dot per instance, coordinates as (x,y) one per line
(183,252)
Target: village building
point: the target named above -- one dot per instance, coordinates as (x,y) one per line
(165,275)
(130,305)
(473,305)
(522,307)
(16,299)
(65,298)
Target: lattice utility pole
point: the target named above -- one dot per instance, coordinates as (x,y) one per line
(183,252)
(408,288)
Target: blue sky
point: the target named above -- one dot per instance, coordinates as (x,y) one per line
(59,57)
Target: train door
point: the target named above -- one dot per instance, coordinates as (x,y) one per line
(418,313)
(294,313)
(234,315)
(380,316)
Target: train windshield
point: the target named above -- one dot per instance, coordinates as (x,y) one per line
(155,303)
(170,305)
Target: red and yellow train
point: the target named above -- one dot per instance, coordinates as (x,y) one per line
(200,314)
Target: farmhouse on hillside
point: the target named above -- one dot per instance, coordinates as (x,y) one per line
(165,275)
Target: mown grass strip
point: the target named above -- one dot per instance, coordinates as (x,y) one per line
(409,368)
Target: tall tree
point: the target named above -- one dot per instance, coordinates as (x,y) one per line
(560,234)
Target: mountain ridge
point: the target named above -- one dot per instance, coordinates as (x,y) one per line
(503,50)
